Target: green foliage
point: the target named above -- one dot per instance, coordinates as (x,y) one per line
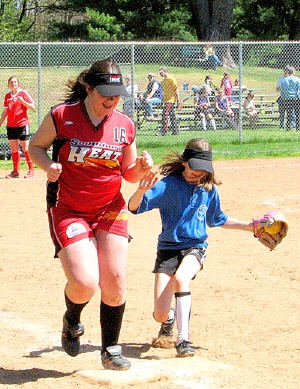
(125,20)
(154,22)
(264,20)
(147,20)
(103,27)
(174,26)
(11,29)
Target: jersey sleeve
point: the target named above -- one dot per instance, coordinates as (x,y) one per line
(215,217)
(27,97)
(5,102)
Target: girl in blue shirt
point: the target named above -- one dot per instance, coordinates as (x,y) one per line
(188,200)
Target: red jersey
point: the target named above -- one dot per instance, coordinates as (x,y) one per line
(90,157)
(16,111)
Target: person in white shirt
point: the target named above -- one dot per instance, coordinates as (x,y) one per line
(130,101)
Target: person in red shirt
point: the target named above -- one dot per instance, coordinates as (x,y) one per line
(16,104)
(93,149)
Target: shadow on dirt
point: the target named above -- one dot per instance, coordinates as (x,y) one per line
(131,350)
(19,377)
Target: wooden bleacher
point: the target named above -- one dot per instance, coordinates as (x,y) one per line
(266,105)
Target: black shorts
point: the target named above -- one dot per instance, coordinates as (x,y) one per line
(168,261)
(22,133)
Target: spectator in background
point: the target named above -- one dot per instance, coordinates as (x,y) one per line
(208,84)
(290,90)
(130,101)
(203,110)
(170,99)
(226,84)
(224,110)
(153,96)
(280,101)
(249,107)
(211,56)
(236,85)
(235,93)
(16,104)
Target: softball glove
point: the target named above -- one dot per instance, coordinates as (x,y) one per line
(271,228)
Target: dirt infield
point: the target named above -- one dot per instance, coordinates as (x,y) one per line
(245,320)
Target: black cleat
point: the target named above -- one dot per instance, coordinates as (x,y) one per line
(166,328)
(184,349)
(113,359)
(70,337)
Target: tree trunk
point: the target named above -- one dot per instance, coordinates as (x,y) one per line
(23,11)
(212,20)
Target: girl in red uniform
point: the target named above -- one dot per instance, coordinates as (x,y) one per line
(16,104)
(93,149)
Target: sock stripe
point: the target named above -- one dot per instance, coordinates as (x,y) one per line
(181,294)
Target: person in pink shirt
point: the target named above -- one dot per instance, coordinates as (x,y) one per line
(226,85)
(16,104)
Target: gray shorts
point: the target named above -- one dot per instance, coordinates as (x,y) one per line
(168,261)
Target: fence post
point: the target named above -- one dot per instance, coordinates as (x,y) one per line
(40,97)
(133,81)
(240,91)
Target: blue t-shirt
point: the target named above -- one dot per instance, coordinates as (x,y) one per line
(222,103)
(290,87)
(185,210)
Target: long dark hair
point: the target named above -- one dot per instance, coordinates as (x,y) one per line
(76,90)
(174,165)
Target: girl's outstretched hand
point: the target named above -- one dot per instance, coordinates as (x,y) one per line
(148,181)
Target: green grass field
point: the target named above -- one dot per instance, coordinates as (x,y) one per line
(51,89)
(226,145)
(261,142)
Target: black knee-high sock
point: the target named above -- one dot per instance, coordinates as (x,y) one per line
(73,311)
(111,321)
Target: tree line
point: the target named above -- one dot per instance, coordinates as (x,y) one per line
(145,20)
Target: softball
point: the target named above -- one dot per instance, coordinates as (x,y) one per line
(274,228)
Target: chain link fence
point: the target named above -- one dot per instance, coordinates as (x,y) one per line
(253,69)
